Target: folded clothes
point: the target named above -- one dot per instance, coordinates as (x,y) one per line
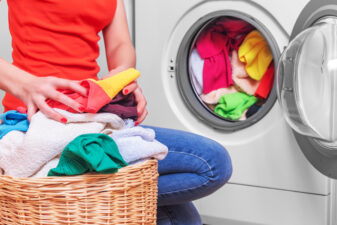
(214,46)
(137,144)
(134,144)
(89,153)
(100,92)
(13,120)
(196,66)
(241,77)
(232,106)
(266,83)
(22,155)
(124,106)
(256,54)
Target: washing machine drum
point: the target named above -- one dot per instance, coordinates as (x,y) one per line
(307,84)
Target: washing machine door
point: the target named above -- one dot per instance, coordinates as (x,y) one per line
(307,84)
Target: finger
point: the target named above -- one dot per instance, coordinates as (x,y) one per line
(130,88)
(141,101)
(141,118)
(64,99)
(31,110)
(49,112)
(71,85)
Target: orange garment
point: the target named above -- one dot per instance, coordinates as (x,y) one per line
(57,37)
(99,92)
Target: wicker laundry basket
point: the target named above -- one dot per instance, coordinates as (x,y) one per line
(126,197)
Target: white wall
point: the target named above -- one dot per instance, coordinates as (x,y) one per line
(5,38)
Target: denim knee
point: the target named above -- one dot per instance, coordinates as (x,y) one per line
(221,166)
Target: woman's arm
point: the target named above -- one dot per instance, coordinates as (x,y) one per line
(121,55)
(33,91)
(120,52)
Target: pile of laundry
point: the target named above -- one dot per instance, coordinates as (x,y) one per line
(102,139)
(231,68)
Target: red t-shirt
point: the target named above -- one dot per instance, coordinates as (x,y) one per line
(57,38)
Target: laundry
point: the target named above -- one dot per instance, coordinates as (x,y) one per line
(252,110)
(266,83)
(236,30)
(43,172)
(256,54)
(232,106)
(214,46)
(134,144)
(137,144)
(241,77)
(100,92)
(243,116)
(89,153)
(13,120)
(22,155)
(124,106)
(196,66)
(214,96)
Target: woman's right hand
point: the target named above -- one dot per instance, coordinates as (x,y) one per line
(34,92)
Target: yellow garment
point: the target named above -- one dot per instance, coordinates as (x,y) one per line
(255,53)
(116,83)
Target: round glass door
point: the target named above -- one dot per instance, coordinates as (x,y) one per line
(307,82)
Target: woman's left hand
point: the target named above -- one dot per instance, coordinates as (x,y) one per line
(140,99)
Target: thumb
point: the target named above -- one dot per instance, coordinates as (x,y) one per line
(31,111)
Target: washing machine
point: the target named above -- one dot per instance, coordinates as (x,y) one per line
(284,156)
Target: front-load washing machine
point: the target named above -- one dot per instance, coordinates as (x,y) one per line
(284,154)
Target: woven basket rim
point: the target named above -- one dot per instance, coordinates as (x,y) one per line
(87,176)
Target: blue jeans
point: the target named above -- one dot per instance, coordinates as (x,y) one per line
(194,167)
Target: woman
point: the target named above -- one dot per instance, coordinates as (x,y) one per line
(55,45)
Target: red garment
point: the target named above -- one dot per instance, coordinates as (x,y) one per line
(57,37)
(214,46)
(266,83)
(96,99)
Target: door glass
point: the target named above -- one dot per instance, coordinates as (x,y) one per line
(307,81)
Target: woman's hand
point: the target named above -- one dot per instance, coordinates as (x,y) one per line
(34,92)
(140,99)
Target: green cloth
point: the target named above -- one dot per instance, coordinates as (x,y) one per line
(89,153)
(232,106)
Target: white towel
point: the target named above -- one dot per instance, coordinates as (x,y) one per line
(137,143)
(43,172)
(46,138)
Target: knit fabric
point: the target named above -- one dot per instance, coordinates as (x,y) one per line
(124,106)
(196,66)
(22,155)
(137,144)
(214,46)
(13,120)
(89,153)
(256,54)
(232,106)
(266,83)
(240,77)
(100,92)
